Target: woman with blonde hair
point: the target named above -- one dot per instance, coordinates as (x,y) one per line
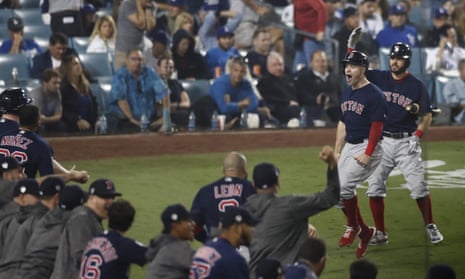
(78,102)
(184,21)
(103,37)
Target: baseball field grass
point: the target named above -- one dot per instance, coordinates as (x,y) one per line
(152,183)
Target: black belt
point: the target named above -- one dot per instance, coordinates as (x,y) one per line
(397,135)
(355,141)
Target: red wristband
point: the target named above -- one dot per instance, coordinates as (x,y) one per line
(419,133)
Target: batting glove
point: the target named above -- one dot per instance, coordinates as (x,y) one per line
(354,37)
(413,145)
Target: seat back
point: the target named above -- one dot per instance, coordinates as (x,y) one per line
(80,44)
(97,64)
(196,88)
(31,16)
(10,61)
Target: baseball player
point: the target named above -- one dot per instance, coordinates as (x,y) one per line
(109,255)
(358,133)
(212,200)
(11,100)
(409,115)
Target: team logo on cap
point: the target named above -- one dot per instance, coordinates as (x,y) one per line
(23,189)
(109,185)
(5,165)
(174,217)
(238,218)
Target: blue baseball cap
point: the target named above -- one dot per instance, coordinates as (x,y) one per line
(237,215)
(71,197)
(268,268)
(7,164)
(265,175)
(161,37)
(51,186)
(26,186)
(88,8)
(397,9)
(103,188)
(440,12)
(173,214)
(349,11)
(224,31)
(177,3)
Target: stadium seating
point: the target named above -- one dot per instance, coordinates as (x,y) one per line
(10,61)
(42,31)
(80,44)
(196,88)
(30,4)
(97,64)
(30,16)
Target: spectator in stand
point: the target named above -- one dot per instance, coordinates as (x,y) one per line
(233,93)
(89,19)
(213,16)
(454,94)
(47,98)
(65,16)
(134,18)
(396,30)
(370,20)
(445,57)
(103,36)
(184,21)
(189,63)
(159,49)
(350,17)
(42,247)
(216,58)
(17,44)
(333,23)
(278,90)
(175,8)
(179,99)
(432,36)
(136,91)
(256,57)
(57,49)
(79,103)
(309,16)
(318,90)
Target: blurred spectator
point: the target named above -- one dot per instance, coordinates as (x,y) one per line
(47,98)
(310,261)
(79,104)
(233,92)
(136,91)
(212,16)
(89,19)
(169,253)
(333,23)
(431,37)
(57,48)
(454,94)
(134,18)
(278,90)
(189,63)
(216,57)
(160,48)
(17,44)
(310,16)
(84,223)
(269,268)
(440,271)
(10,4)
(179,99)
(362,269)
(370,20)
(41,251)
(318,90)
(123,251)
(256,57)
(445,57)
(350,22)
(396,30)
(103,36)
(184,21)
(65,17)
(175,8)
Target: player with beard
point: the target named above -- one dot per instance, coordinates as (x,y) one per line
(219,258)
(409,115)
(84,223)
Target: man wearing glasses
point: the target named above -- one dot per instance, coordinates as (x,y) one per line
(138,92)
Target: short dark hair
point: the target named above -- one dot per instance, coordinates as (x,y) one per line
(313,249)
(29,116)
(260,30)
(58,38)
(48,74)
(133,50)
(121,215)
(363,269)
(164,57)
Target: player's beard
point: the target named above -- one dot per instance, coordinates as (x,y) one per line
(245,239)
(397,70)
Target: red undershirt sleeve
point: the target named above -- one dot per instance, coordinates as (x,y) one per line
(375,135)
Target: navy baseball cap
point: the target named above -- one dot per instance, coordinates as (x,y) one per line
(160,36)
(103,188)
(26,186)
(265,175)
(177,3)
(51,186)
(349,11)
(224,31)
(15,23)
(440,12)
(88,8)
(71,197)
(236,215)
(268,268)
(172,214)
(8,163)
(397,9)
